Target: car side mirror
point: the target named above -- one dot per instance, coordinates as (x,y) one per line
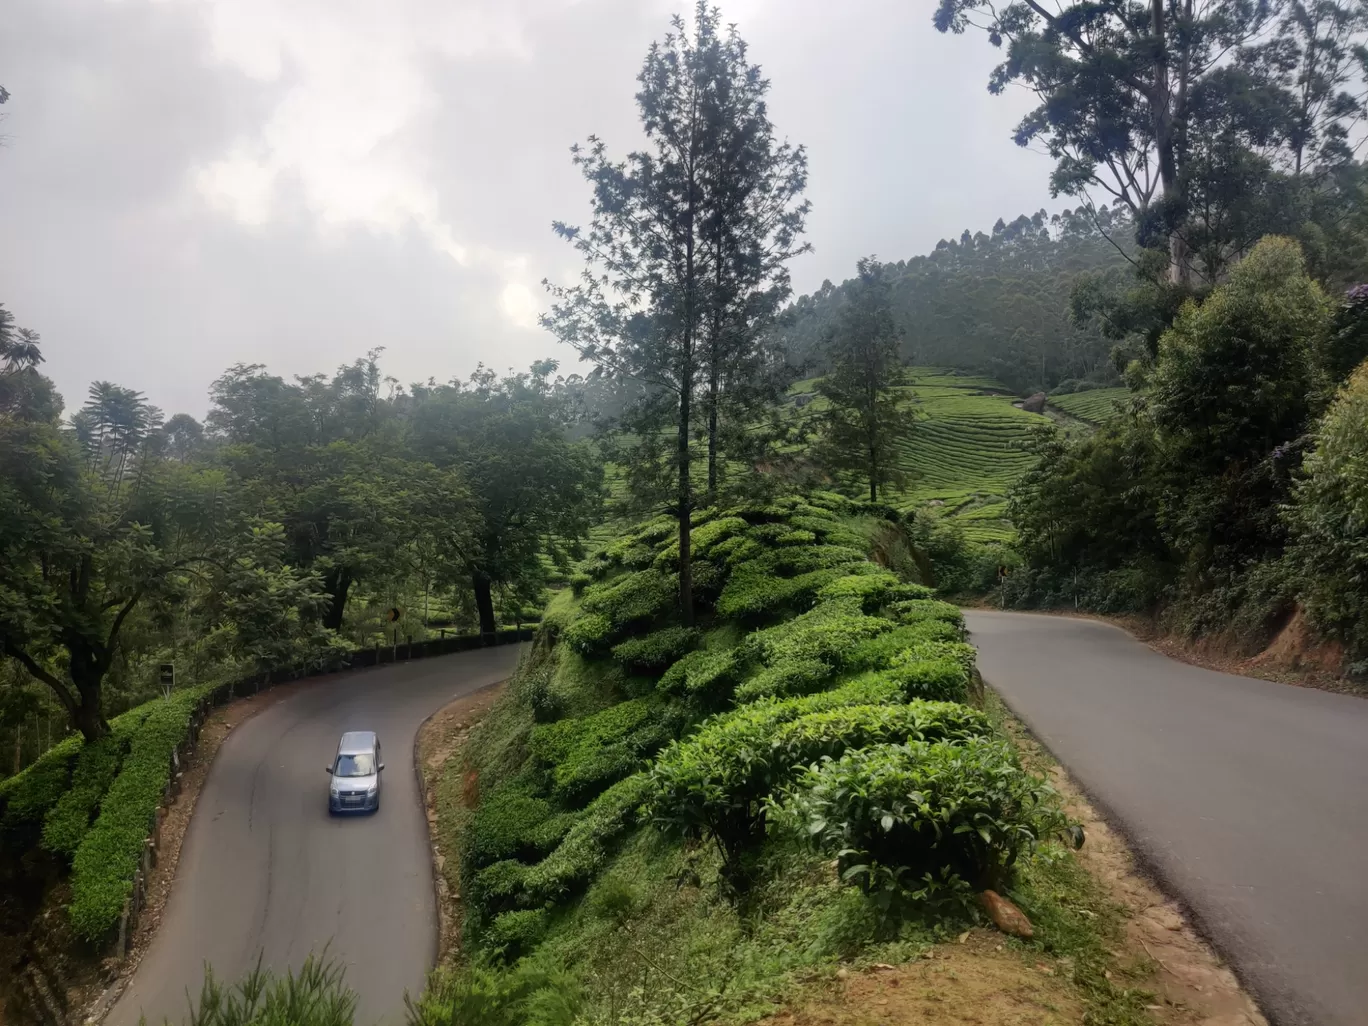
(327,770)
(382,765)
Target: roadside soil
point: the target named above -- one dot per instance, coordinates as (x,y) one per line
(439,740)
(984,979)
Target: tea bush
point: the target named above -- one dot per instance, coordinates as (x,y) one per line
(27,797)
(790,677)
(822,633)
(657,650)
(589,634)
(67,822)
(586,755)
(513,822)
(514,934)
(910,817)
(715,785)
(637,597)
(108,856)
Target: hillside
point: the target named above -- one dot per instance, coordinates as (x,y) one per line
(644,826)
(967,452)
(989,303)
(1092,407)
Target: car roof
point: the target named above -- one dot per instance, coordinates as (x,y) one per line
(357,741)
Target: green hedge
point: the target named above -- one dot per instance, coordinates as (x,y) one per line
(512,822)
(710,676)
(589,634)
(108,857)
(588,844)
(586,755)
(657,650)
(716,784)
(821,633)
(790,677)
(27,797)
(67,822)
(514,934)
(915,817)
(637,597)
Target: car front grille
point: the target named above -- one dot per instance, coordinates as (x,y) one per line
(351,799)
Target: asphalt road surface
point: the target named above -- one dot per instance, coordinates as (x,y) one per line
(265,870)
(1248,799)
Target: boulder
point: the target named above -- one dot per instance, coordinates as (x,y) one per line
(1035,404)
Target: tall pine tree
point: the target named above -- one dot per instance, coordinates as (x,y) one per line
(685,257)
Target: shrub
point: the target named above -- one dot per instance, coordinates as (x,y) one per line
(107,859)
(919,609)
(579,581)
(635,598)
(754,591)
(514,934)
(821,633)
(315,996)
(589,634)
(496,888)
(923,639)
(588,754)
(508,824)
(736,549)
(791,677)
(914,818)
(67,822)
(27,797)
(1330,520)
(588,843)
(715,785)
(707,675)
(657,650)
(872,589)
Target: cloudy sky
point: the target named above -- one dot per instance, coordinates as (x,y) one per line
(188,184)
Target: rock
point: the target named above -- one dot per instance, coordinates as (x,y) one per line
(1006,916)
(1035,404)
(842,973)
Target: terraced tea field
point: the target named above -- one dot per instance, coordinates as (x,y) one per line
(968,451)
(1093,407)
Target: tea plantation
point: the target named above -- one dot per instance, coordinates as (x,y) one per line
(660,822)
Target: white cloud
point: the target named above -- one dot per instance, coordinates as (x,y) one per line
(346,131)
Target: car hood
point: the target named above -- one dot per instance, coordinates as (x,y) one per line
(355,783)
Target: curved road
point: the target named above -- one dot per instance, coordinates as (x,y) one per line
(1249,799)
(265,870)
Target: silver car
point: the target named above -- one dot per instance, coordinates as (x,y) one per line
(355,773)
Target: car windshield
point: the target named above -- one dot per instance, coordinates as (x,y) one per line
(362,765)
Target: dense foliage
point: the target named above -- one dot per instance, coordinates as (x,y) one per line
(630,736)
(1212,496)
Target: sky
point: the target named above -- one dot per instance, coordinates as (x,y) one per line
(190,184)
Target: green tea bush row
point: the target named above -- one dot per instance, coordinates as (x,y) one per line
(637,597)
(709,676)
(107,859)
(27,797)
(753,591)
(821,633)
(786,678)
(657,650)
(67,822)
(715,785)
(512,822)
(587,755)
(912,818)
(578,858)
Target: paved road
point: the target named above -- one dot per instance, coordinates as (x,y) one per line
(264,869)
(1249,799)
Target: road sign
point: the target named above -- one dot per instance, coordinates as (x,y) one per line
(167,673)
(393,614)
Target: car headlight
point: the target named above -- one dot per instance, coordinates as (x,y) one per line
(373,789)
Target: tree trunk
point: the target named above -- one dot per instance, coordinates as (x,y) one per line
(339,583)
(685,500)
(1162,112)
(484,602)
(714,375)
(90,721)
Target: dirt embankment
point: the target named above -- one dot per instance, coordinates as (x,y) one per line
(439,741)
